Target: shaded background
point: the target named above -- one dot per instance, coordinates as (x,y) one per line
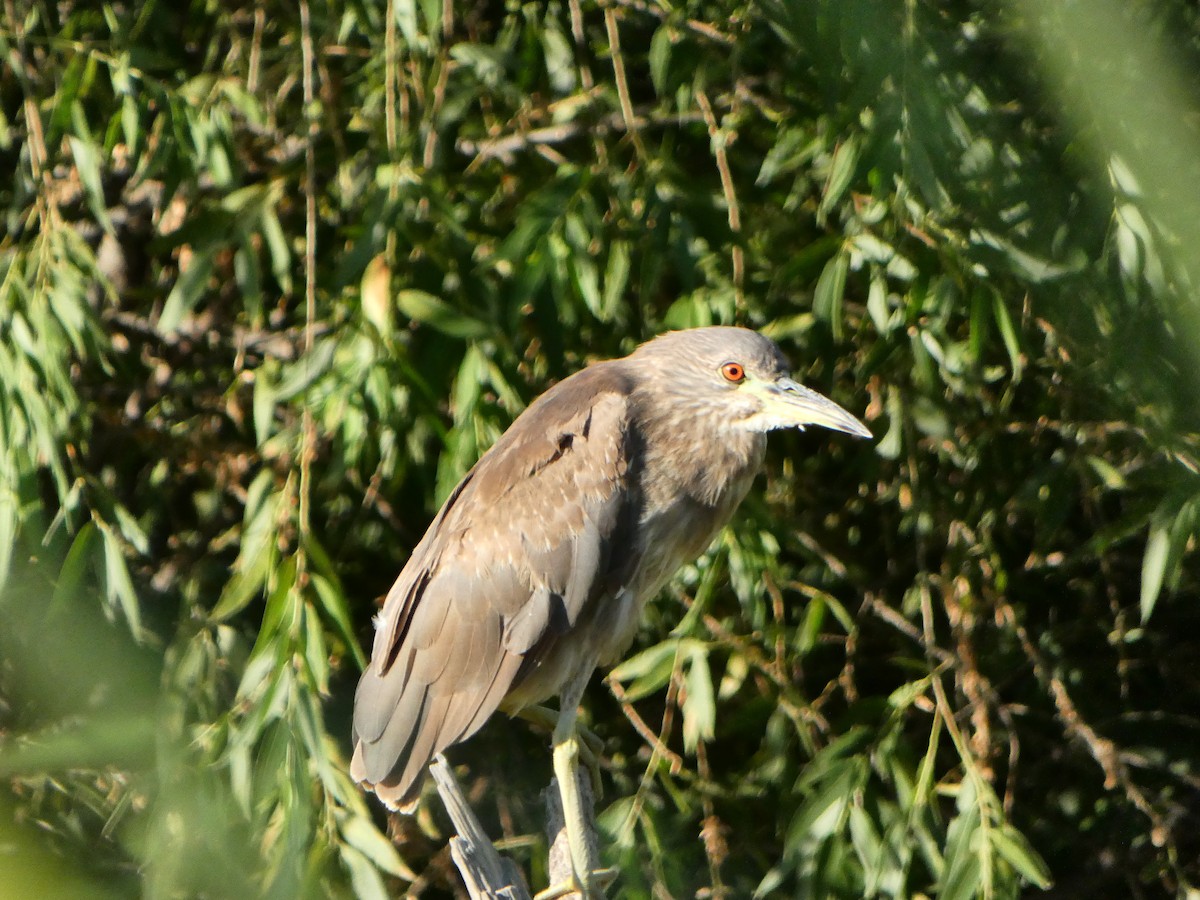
(273,275)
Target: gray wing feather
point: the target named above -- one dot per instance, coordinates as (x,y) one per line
(513,558)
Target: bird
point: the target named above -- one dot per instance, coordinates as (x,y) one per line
(535,570)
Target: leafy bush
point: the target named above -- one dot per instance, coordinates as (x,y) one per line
(272,277)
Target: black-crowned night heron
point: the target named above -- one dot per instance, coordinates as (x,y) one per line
(537,567)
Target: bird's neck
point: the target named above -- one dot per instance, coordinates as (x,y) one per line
(691,453)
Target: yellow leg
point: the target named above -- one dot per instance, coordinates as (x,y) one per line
(589,879)
(590,747)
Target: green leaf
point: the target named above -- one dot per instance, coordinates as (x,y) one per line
(791,149)
(587,281)
(660,58)
(823,812)
(841,172)
(1013,846)
(188,290)
(960,876)
(430,310)
(877,303)
(647,671)
(1108,474)
(362,835)
(616,277)
(364,875)
(830,291)
(1009,333)
(87,163)
(333,601)
(118,585)
(68,585)
(1154,566)
(904,696)
(263,401)
(810,630)
(301,373)
(699,706)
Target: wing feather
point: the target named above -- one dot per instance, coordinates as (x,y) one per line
(514,557)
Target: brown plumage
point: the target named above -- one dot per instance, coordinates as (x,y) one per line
(536,569)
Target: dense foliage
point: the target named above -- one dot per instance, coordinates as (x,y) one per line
(273,275)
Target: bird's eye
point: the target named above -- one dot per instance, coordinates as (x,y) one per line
(734,372)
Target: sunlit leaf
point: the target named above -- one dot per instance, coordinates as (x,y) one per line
(1154,567)
(829,293)
(430,310)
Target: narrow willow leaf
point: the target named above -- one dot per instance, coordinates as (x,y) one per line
(70,579)
(1009,334)
(587,281)
(405,12)
(877,302)
(118,585)
(337,609)
(437,313)
(304,371)
(277,247)
(188,290)
(841,171)
(960,876)
(8,536)
(829,293)
(279,616)
(1154,567)
(699,706)
(1108,474)
(263,401)
(660,58)
(244,585)
(904,696)
(1013,846)
(362,834)
(131,531)
(87,163)
(647,671)
(616,277)
(810,630)
(822,814)
(316,656)
(787,154)
(558,56)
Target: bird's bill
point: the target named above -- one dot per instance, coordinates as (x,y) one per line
(790,404)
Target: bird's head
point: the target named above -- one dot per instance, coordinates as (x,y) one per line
(744,376)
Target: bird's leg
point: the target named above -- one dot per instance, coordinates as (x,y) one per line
(589,879)
(591,747)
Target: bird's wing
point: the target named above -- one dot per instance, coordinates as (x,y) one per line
(511,560)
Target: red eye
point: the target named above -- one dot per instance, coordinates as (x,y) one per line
(733,372)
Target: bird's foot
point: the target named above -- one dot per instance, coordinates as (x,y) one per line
(591,888)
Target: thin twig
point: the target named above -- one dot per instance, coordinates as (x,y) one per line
(256,40)
(505,146)
(618,63)
(586,80)
(647,733)
(712,830)
(703,29)
(719,140)
(1104,751)
(308,427)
